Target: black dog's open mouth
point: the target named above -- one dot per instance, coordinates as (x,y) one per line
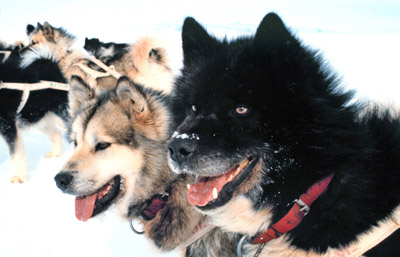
(89,206)
(211,192)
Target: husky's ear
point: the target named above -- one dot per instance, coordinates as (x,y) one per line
(48,31)
(79,93)
(39,26)
(158,55)
(29,29)
(133,96)
(196,41)
(272,32)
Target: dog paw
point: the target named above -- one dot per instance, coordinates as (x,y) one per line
(18,179)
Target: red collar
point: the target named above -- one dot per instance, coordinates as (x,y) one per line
(295,214)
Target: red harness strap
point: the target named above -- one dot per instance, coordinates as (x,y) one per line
(295,214)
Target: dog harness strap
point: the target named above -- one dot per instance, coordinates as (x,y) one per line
(109,69)
(26,88)
(293,218)
(24,99)
(6,54)
(94,74)
(43,84)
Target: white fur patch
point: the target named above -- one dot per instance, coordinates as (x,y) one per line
(239,216)
(107,51)
(49,125)
(173,166)
(19,161)
(40,52)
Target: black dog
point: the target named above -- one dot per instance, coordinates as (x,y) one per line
(42,108)
(105,52)
(264,123)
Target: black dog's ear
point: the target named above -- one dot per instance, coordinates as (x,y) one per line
(272,32)
(195,40)
(29,29)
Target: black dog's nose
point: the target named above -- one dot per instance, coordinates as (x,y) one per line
(63,179)
(181,149)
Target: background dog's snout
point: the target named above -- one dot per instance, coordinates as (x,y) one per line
(63,179)
(181,149)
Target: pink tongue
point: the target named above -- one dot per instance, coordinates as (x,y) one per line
(84,207)
(201,192)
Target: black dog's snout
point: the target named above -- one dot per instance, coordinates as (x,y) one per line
(63,179)
(181,149)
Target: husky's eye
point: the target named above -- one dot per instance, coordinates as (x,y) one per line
(34,42)
(241,110)
(194,109)
(101,146)
(75,142)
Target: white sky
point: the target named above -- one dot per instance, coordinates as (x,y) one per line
(346,31)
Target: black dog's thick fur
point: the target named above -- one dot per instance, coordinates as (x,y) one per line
(297,120)
(39,103)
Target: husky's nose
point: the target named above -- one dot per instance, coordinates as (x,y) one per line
(63,179)
(181,149)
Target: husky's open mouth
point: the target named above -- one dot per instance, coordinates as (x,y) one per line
(148,209)
(89,206)
(211,192)
(153,206)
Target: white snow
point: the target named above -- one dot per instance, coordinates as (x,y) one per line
(360,40)
(185,136)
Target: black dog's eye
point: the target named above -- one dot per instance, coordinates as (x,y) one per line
(101,146)
(241,110)
(194,109)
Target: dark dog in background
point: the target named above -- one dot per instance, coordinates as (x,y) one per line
(145,61)
(106,52)
(44,109)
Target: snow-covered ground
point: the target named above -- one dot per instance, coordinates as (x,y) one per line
(360,40)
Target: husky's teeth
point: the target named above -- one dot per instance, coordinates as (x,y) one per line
(230,178)
(215,193)
(238,170)
(188,186)
(244,163)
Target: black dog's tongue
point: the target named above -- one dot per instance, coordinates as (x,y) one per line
(154,207)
